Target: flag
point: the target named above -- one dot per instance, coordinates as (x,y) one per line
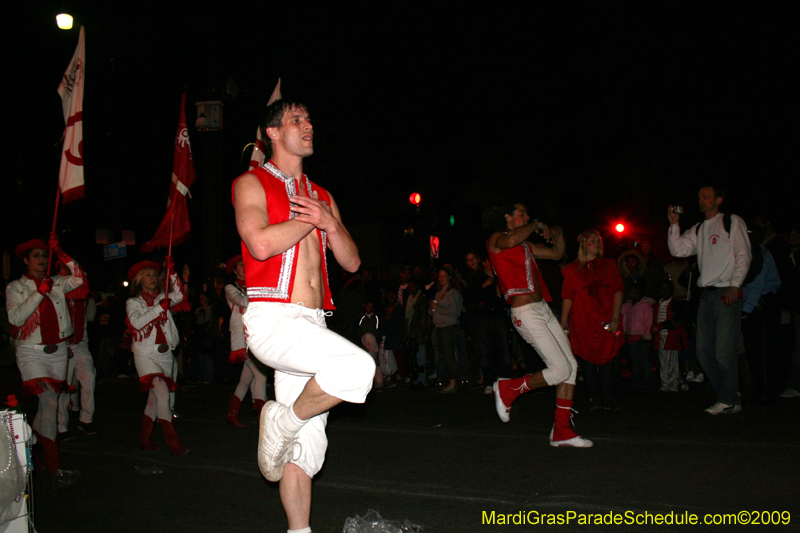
(182,178)
(70,176)
(257,159)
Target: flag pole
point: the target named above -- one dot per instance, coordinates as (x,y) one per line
(55,217)
(169,249)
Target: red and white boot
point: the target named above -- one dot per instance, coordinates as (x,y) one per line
(505,392)
(563,432)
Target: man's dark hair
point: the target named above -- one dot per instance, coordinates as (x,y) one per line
(719,192)
(273,116)
(494,218)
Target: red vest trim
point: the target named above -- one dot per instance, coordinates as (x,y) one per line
(273,280)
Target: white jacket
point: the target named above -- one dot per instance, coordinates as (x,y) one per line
(140,316)
(22,301)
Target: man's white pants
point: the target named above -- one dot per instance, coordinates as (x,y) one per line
(538,326)
(296,342)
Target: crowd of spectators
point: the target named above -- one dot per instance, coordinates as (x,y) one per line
(445,324)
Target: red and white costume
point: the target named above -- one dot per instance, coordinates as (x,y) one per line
(251,377)
(154,335)
(40,326)
(293,339)
(516,269)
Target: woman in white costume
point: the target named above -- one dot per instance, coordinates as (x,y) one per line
(251,376)
(154,338)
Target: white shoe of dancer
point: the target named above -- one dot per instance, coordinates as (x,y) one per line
(274,448)
(575,442)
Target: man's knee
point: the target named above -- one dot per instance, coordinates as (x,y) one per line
(558,374)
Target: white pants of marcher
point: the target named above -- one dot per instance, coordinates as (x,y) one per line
(539,327)
(668,365)
(34,363)
(80,370)
(296,342)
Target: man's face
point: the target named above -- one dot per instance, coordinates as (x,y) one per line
(518,218)
(632,262)
(37,262)
(707,200)
(473,262)
(296,134)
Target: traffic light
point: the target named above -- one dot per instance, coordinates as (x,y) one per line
(415,198)
(619,227)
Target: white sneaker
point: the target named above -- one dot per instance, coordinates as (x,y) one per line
(574,442)
(503,410)
(274,449)
(720,407)
(691,377)
(733,409)
(790,393)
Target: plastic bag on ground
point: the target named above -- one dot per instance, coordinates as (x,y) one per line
(373,522)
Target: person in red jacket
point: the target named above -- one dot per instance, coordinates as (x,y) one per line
(591,302)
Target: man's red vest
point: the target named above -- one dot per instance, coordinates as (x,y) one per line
(515,268)
(273,280)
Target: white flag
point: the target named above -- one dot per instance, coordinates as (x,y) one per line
(70,176)
(257,159)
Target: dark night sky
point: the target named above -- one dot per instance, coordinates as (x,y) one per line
(589,112)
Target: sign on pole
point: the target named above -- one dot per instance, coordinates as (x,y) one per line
(114,251)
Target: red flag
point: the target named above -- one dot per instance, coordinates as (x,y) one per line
(257,159)
(70,176)
(182,178)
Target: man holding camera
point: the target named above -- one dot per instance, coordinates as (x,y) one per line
(723,255)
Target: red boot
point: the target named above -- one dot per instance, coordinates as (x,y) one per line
(506,391)
(233,412)
(173,441)
(257,406)
(146,435)
(563,433)
(52,456)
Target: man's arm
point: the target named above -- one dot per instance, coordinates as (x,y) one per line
(680,245)
(557,250)
(517,236)
(262,239)
(327,218)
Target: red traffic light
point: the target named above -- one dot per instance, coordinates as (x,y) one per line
(619,227)
(415,198)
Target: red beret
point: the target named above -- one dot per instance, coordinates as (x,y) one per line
(32,244)
(142,265)
(231,264)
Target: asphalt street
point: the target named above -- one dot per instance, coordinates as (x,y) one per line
(445,462)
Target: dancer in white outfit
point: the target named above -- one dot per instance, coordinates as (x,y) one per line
(252,377)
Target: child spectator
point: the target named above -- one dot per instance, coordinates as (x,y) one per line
(671,335)
(637,320)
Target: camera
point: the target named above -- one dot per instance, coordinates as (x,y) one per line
(678,210)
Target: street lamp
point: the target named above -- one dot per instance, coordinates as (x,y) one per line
(64,21)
